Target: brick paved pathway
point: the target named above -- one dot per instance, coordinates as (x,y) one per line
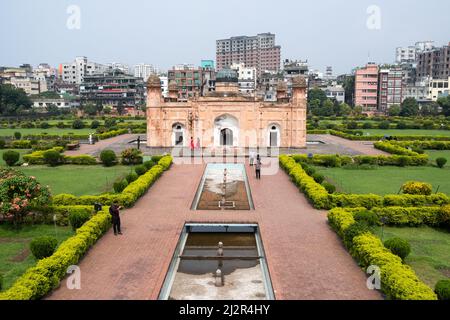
(305,257)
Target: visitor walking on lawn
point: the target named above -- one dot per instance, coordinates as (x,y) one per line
(114,211)
(258,167)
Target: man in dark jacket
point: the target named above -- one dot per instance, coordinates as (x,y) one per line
(114,211)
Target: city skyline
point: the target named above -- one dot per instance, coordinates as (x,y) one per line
(166,34)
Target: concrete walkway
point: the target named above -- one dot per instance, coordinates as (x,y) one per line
(358,147)
(95,149)
(305,257)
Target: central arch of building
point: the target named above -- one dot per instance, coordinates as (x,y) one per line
(226,131)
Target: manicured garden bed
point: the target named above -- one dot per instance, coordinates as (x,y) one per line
(430,254)
(15,256)
(385,180)
(434,154)
(77,180)
(8,132)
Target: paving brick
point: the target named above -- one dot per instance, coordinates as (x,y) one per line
(306,259)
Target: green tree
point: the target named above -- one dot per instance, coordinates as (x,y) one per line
(430,109)
(344,109)
(52,108)
(349,86)
(357,111)
(120,108)
(90,109)
(317,94)
(13,101)
(394,110)
(327,108)
(410,108)
(444,103)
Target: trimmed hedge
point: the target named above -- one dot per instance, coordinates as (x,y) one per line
(394,149)
(37,157)
(350,136)
(39,280)
(321,199)
(398,281)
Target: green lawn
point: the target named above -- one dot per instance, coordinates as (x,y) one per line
(21,151)
(385,180)
(15,256)
(77,180)
(430,254)
(38,131)
(434,154)
(406,132)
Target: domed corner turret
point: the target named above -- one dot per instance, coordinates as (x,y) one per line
(299,82)
(227,75)
(154,82)
(173,85)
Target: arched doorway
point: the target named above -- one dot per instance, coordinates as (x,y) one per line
(226,137)
(178,139)
(274,136)
(226,131)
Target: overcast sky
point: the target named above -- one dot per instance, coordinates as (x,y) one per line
(169,32)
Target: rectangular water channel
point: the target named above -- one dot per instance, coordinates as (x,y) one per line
(224,186)
(204,249)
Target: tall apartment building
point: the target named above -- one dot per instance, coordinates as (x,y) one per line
(75,72)
(391,87)
(259,52)
(144,71)
(366,88)
(119,66)
(434,63)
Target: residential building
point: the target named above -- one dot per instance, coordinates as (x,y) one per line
(188,80)
(43,103)
(434,63)
(258,52)
(22,78)
(336,92)
(75,72)
(164,86)
(366,88)
(409,54)
(419,91)
(192,81)
(144,71)
(438,88)
(405,54)
(112,88)
(391,87)
(246,78)
(119,66)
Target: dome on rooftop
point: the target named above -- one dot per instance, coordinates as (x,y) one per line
(153,81)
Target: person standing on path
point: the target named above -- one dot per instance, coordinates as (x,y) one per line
(258,167)
(252,158)
(114,211)
(192,144)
